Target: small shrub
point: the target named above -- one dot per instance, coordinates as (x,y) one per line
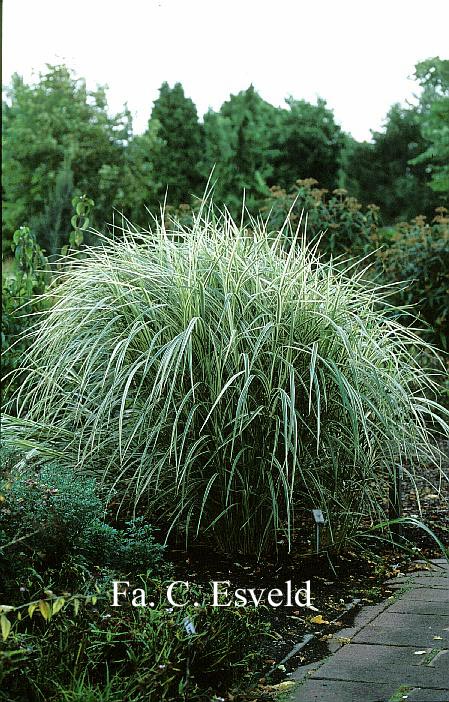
(418,256)
(346,226)
(52,518)
(51,507)
(124,550)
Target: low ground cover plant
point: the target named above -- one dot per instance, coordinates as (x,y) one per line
(51,517)
(227,386)
(93,652)
(60,639)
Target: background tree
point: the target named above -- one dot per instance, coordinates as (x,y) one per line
(142,183)
(220,145)
(433,76)
(384,171)
(53,121)
(309,144)
(176,155)
(59,141)
(253,121)
(239,144)
(52,227)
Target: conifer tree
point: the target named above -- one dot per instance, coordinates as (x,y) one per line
(309,144)
(176,160)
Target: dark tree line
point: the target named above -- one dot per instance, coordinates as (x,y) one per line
(59,139)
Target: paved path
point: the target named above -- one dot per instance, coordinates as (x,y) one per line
(398,650)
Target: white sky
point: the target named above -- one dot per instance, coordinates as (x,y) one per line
(356,54)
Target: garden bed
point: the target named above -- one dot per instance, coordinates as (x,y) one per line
(340,585)
(260,649)
(216,387)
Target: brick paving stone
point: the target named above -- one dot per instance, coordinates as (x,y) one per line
(441,562)
(400,636)
(373,663)
(419,607)
(412,621)
(381,662)
(430,594)
(342,691)
(421,575)
(438,581)
(368,613)
(348,691)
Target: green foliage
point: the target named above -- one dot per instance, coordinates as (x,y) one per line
(227,386)
(52,227)
(239,148)
(79,221)
(219,155)
(132,549)
(103,654)
(383,170)
(49,513)
(253,144)
(179,146)
(418,255)
(51,539)
(59,141)
(226,379)
(22,284)
(141,183)
(308,143)
(50,507)
(347,226)
(53,122)
(433,76)
(30,259)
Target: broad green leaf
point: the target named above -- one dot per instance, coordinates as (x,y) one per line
(58,604)
(44,609)
(5,626)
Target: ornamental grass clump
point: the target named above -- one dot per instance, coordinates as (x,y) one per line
(227,387)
